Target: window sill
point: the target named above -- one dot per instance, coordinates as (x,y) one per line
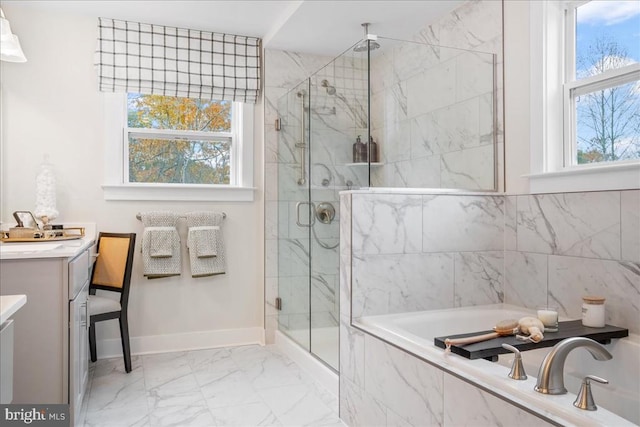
(178,192)
(624,176)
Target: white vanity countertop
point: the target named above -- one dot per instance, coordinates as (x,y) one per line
(9,304)
(50,249)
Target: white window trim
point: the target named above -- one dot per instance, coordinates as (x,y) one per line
(548,71)
(115,187)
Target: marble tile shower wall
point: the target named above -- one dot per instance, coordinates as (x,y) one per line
(559,247)
(335,119)
(422,252)
(432,106)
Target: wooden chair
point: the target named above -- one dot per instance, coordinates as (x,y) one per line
(112,272)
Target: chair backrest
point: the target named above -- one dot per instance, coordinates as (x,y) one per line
(112,270)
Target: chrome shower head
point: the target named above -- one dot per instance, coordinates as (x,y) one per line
(368,43)
(330,89)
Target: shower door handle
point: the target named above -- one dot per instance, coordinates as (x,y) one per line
(311,215)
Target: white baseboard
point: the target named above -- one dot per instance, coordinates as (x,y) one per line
(318,370)
(182,342)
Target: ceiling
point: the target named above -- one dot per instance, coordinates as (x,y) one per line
(324,27)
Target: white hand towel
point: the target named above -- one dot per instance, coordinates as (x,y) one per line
(204,240)
(209,265)
(161,241)
(155,224)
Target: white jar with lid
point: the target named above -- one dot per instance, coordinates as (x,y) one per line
(593,311)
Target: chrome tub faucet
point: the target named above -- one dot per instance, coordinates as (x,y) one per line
(551,372)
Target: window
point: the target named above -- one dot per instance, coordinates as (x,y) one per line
(585,95)
(174,148)
(602,87)
(180,140)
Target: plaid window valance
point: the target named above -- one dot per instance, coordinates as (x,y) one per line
(154,59)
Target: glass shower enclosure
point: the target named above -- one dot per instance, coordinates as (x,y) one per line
(320,120)
(402,114)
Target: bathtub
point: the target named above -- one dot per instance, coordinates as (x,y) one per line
(618,402)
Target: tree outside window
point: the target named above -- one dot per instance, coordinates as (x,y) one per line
(607,120)
(179,140)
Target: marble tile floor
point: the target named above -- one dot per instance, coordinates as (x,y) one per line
(237,386)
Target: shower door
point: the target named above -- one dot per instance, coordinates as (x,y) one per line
(320,120)
(294,216)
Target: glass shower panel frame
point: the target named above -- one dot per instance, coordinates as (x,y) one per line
(294,216)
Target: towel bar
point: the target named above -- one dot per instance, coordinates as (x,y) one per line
(139,216)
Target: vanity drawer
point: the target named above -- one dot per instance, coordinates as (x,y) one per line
(78,273)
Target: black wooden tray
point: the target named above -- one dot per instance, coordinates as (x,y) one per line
(492,348)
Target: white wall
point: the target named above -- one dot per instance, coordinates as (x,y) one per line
(516,95)
(51,104)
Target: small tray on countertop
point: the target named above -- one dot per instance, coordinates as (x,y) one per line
(70,233)
(492,348)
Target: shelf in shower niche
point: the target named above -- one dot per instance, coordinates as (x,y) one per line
(492,348)
(365,164)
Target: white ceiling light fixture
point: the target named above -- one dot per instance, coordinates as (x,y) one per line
(10,49)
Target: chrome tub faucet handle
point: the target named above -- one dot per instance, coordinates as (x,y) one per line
(551,372)
(517,370)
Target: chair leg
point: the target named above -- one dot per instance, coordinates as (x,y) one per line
(92,342)
(124,336)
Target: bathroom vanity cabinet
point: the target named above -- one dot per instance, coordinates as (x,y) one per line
(51,332)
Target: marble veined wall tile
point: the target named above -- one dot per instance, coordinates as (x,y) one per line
(323,293)
(618,281)
(287,69)
(386,224)
(471,169)
(578,224)
(510,223)
(351,353)
(525,279)
(452,128)
(394,142)
(409,387)
(471,25)
(466,405)
(470,84)
(358,408)
(462,223)
(411,58)
(293,255)
(479,278)
(630,225)
(439,82)
(385,284)
(423,172)
(345,258)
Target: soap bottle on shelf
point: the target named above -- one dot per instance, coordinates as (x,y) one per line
(359,151)
(373,150)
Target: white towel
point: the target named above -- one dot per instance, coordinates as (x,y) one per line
(161,241)
(212,243)
(204,240)
(159,235)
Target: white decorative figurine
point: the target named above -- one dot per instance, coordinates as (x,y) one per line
(46,192)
